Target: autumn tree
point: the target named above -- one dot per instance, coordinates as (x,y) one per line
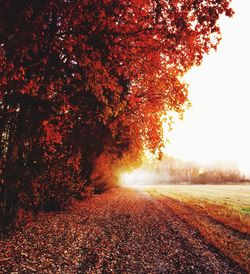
(83,80)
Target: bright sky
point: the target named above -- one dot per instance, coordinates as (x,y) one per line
(217,128)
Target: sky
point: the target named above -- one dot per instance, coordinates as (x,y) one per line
(216,130)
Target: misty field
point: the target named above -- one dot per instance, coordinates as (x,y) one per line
(233,197)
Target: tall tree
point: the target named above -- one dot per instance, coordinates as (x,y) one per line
(81,79)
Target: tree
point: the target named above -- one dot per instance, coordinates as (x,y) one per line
(83,78)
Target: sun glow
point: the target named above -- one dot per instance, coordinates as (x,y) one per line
(131,178)
(134,177)
(138,177)
(216,129)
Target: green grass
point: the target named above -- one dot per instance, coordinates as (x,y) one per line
(236,197)
(245,210)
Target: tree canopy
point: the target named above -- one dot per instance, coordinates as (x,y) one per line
(85,83)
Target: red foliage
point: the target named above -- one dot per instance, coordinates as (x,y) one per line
(91,77)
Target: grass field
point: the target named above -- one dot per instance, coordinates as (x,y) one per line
(235,197)
(221,214)
(228,204)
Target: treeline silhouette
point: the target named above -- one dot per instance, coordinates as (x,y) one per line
(177,171)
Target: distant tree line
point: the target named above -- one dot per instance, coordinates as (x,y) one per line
(177,171)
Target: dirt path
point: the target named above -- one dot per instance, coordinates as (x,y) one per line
(122,231)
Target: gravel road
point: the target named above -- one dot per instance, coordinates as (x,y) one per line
(121,231)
